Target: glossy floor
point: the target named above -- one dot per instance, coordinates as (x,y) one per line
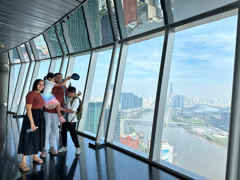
(106,163)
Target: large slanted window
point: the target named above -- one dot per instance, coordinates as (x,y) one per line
(80,67)
(135,114)
(97,93)
(41,46)
(197,114)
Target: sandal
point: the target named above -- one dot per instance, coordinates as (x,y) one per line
(39,161)
(23,167)
(62,119)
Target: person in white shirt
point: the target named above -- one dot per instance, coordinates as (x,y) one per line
(71,121)
(50,102)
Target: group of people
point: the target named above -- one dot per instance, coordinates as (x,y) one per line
(44,105)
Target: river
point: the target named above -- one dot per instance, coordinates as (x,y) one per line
(191,152)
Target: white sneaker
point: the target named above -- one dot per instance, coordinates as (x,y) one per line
(78,151)
(62,149)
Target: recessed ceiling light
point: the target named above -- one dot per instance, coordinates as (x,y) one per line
(1,45)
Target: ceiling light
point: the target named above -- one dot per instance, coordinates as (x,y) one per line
(1,45)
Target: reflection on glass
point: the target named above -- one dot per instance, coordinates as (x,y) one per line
(43,69)
(60,33)
(30,50)
(14,72)
(14,109)
(80,67)
(97,93)
(197,113)
(135,114)
(14,57)
(114,17)
(25,54)
(27,84)
(182,9)
(41,47)
(141,16)
(54,41)
(100,22)
(77,31)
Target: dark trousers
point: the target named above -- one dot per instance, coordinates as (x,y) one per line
(72,129)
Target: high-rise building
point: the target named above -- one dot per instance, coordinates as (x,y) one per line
(94,15)
(225,118)
(78,38)
(129,101)
(171,90)
(131,140)
(106,32)
(130,11)
(93,116)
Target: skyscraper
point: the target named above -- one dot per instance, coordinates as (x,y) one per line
(130,11)
(93,116)
(79,39)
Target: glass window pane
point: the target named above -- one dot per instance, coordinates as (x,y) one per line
(25,54)
(197,113)
(30,50)
(183,9)
(43,69)
(54,41)
(65,63)
(97,93)
(27,84)
(77,31)
(110,96)
(135,115)
(80,67)
(41,46)
(57,65)
(60,33)
(14,72)
(14,57)
(142,16)
(14,109)
(100,22)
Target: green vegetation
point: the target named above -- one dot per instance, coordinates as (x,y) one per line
(144,149)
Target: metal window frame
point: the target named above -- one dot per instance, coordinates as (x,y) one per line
(49,44)
(27,78)
(88,22)
(106,93)
(88,88)
(120,19)
(161,96)
(18,86)
(20,53)
(116,93)
(233,158)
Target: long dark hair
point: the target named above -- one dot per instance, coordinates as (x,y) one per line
(35,84)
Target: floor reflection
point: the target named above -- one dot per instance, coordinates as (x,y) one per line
(101,164)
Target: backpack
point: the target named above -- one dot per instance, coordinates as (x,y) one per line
(79,109)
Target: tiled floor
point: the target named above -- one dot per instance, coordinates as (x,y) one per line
(106,163)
